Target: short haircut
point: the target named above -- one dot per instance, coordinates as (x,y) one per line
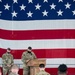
(42,65)
(62,68)
(8,49)
(30,48)
(14,67)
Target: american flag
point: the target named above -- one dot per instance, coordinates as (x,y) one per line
(48,26)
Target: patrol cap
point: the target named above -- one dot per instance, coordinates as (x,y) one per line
(8,49)
(30,48)
(62,68)
(42,65)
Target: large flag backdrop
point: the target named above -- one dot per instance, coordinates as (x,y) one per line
(48,26)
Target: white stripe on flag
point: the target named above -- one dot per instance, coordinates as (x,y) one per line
(38,44)
(51,63)
(37,24)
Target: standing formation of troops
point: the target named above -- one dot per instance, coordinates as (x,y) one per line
(8,62)
(11,69)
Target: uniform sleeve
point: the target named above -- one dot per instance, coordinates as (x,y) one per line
(34,55)
(48,74)
(23,58)
(12,62)
(4,59)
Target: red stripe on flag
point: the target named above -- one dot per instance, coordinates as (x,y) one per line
(38,34)
(44,53)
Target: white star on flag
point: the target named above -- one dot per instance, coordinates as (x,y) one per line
(22,7)
(30,1)
(73,0)
(52,6)
(60,1)
(14,14)
(67,6)
(45,13)
(73,12)
(29,14)
(59,13)
(7,7)
(0,0)
(45,0)
(15,1)
(38,6)
(0,13)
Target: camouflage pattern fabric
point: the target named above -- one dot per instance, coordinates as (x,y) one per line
(11,73)
(27,56)
(7,60)
(42,73)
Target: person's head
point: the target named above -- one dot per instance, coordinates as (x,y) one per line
(42,67)
(8,50)
(15,69)
(62,69)
(29,49)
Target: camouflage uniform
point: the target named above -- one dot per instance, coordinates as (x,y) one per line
(27,56)
(13,73)
(7,60)
(43,72)
(62,74)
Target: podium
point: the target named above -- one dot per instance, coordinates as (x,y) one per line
(34,65)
